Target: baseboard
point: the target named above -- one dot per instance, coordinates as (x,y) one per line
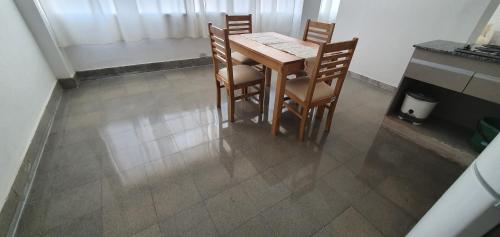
(69,83)
(371,81)
(19,193)
(147,67)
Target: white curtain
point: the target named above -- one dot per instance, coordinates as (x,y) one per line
(77,22)
(328,10)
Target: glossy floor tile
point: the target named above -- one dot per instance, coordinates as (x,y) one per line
(150,155)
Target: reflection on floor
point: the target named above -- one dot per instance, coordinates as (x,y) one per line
(150,155)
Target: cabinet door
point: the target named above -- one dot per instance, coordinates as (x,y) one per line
(442,75)
(484,86)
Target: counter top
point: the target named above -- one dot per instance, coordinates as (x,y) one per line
(448,47)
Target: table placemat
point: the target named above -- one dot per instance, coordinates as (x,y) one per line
(294,48)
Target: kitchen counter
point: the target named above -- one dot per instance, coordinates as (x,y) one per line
(467,88)
(448,47)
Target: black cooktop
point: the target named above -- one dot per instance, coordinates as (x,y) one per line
(485,50)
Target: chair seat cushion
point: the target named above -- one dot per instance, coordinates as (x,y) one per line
(298,87)
(242,59)
(242,74)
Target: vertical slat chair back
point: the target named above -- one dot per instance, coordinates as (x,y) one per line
(318,32)
(332,63)
(221,52)
(239,24)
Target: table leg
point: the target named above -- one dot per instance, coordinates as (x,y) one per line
(267,76)
(278,101)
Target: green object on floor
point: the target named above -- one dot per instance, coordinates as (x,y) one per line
(487,130)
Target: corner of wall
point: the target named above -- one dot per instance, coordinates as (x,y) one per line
(39,27)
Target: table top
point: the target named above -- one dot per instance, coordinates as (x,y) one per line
(267,51)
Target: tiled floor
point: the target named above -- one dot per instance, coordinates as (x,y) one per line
(150,155)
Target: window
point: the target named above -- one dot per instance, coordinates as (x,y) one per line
(133,20)
(80,7)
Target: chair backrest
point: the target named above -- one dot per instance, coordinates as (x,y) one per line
(332,63)
(239,24)
(318,32)
(221,52)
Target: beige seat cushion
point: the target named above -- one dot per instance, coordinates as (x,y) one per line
(242,74)
(242,59)
(298,87)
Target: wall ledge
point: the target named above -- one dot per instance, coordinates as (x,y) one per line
(147,67)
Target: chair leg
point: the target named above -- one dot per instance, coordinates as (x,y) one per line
(230,110)
(267,76)
(261,96)
(329,117)
(320,111)
(217,84)
(303,120)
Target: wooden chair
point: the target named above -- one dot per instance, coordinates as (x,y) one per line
(332,63)
(237,77)
(318,32)
(240,24)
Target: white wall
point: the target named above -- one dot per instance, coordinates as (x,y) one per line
(387,29)
(310,10)
(26,83)
(38,25)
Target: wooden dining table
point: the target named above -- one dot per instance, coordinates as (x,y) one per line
(273,59)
